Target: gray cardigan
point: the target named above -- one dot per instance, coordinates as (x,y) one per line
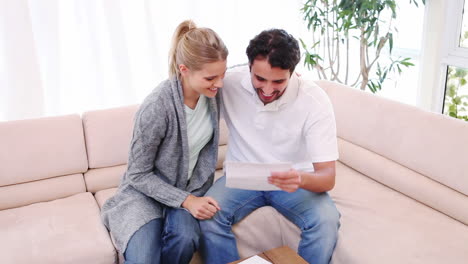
(158,164)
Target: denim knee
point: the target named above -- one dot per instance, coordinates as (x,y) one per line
(326,223)
(219,221)
(208,225)
(183,239)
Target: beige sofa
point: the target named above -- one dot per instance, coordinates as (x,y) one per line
(401,187)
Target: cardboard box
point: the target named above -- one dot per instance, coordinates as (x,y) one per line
(281,255)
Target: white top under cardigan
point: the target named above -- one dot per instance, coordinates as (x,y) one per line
(199,130)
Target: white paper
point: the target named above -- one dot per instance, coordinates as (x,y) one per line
(252,176)
(255,260)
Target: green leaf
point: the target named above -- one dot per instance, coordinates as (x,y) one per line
(303,44)
(451,90)
(460,72)
(390,41)
(453,109)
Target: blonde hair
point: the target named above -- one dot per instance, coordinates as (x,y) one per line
(193,47)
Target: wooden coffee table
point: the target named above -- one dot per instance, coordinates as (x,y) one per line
(281,255)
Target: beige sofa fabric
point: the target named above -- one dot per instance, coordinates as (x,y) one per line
(41,148)
(379,225)
(222,150)
(62,231)
(223,133)
(102,196)
(104,178)
(41,191)
(406,181)
(108,134)
(264,229)
(431,144)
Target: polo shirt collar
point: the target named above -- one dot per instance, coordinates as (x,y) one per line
(288,97)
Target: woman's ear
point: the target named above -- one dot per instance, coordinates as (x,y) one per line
(183,69)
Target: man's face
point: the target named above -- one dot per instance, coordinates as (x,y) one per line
(270,83)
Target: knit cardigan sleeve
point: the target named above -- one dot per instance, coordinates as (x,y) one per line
(149,131)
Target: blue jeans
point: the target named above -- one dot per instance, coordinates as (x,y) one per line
(314,213)
(173,239)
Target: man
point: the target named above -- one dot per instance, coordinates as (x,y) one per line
(274,116)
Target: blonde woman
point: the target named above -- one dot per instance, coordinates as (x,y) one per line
(153,217)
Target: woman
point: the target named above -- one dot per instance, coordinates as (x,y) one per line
(172,159)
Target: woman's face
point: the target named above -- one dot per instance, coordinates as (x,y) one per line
(205,81)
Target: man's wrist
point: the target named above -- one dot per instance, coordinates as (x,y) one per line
(301,179)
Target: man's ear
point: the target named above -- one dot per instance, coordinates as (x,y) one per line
(183,69)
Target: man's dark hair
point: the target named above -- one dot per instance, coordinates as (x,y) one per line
(280,48)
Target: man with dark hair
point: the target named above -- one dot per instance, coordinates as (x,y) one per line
(275,116)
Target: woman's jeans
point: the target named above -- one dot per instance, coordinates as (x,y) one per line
(173,239)
(314,213)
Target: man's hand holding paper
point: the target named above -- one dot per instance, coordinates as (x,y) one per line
(288,181)
(255,176)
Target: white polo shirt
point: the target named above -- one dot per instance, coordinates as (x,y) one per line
(299,127)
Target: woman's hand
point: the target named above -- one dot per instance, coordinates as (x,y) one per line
(201,207)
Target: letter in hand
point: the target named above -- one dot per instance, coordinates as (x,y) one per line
(201,208)
(288,181)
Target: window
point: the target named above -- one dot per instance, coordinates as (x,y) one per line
(464,29)
(454,101)
(456,93)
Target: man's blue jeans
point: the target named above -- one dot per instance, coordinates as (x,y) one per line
(314,213)
(173,239)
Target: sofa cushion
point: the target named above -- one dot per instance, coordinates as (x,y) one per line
(380,225)
(108,134)
(404,180)
(104,178)
(67,230)
(103,195)
(431,144)
(223,133)
(218,174)
(222,150)
(41,148)
(264,229)
(40,191)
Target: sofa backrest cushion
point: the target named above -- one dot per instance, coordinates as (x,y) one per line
(41,148)
(23,194)
(431,144)
(41,160)
(108,133)
(104,178)
(404,180)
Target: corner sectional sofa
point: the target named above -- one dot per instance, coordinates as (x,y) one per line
(401,186)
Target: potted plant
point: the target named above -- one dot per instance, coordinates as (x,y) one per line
(334,24)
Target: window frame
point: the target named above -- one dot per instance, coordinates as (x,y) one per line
(452,53)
